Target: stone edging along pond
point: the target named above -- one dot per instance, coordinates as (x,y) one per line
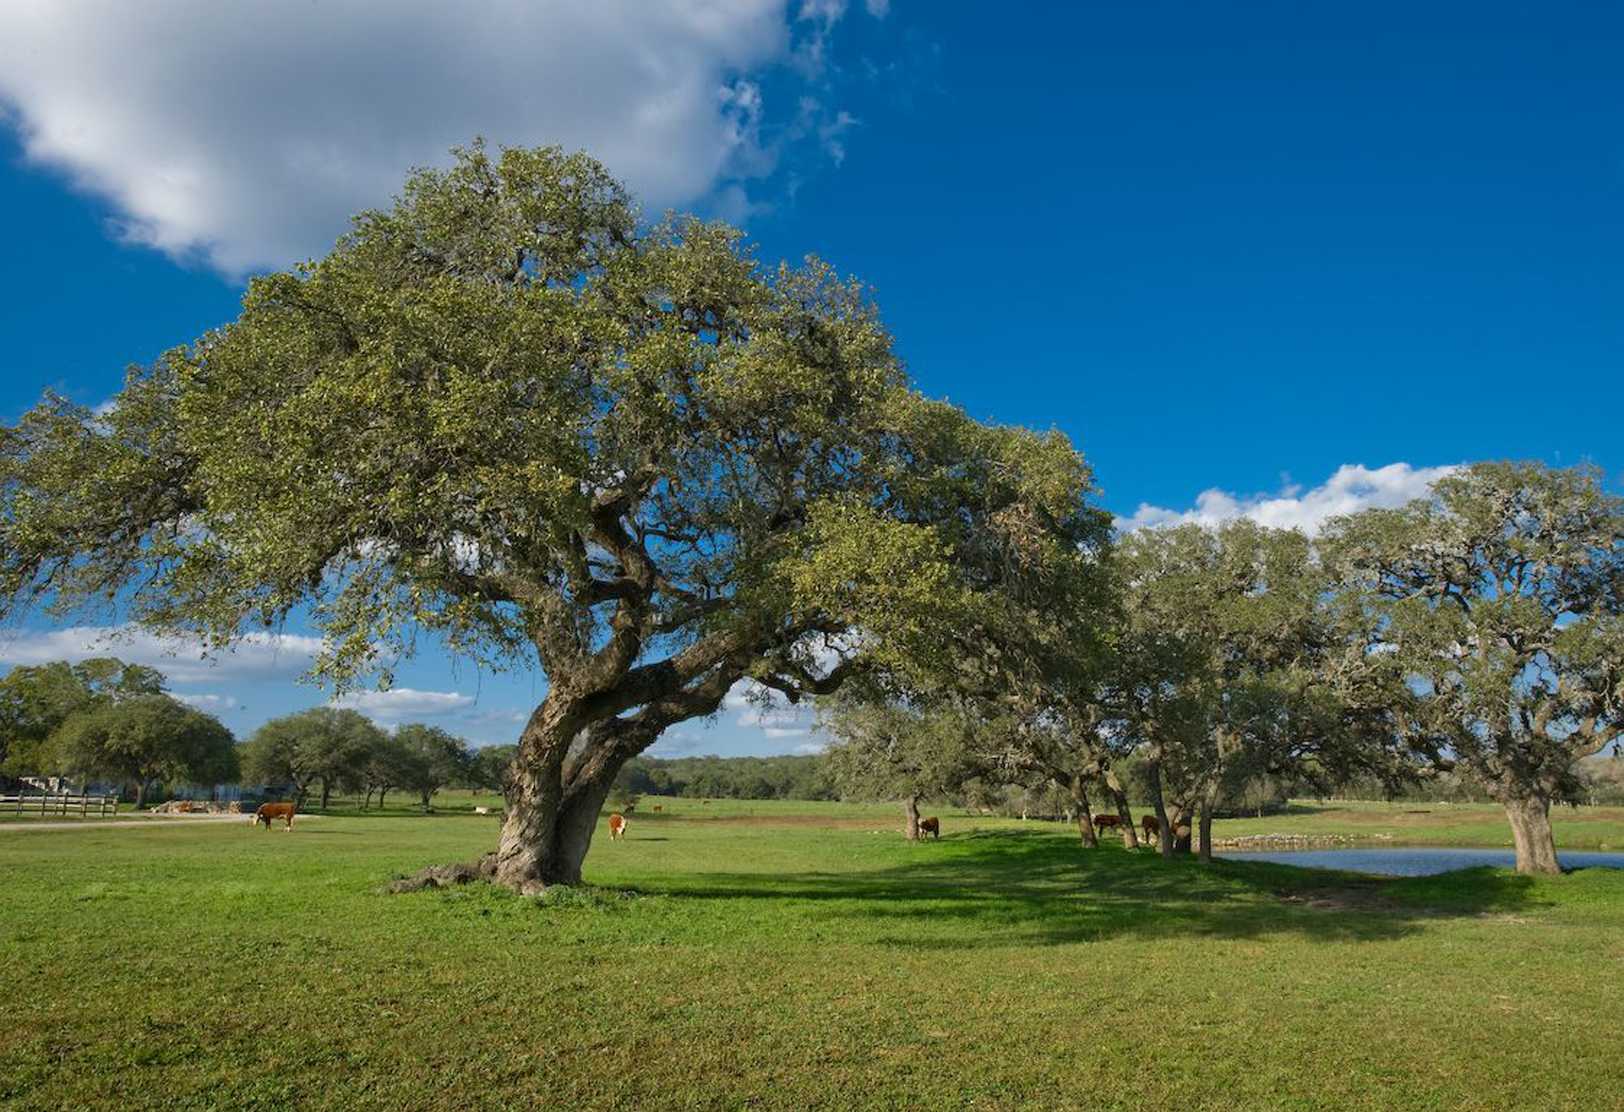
(1298,841)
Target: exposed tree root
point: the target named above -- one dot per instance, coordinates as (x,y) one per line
(446,876)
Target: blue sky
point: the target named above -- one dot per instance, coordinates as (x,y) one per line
(1277,259)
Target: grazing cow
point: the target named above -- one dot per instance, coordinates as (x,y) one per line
(1105,822)
(482,810)
(269,811)
(1150,825)
(617,826)
(657,807)
(931,826)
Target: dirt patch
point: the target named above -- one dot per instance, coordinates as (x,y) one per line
(1337,899)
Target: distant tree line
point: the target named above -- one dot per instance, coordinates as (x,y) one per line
(323,751)
(105,720)
(788,777)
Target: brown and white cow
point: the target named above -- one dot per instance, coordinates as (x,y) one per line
(617,826)
(931,826)
(270,811)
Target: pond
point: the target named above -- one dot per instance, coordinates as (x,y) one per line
(1415,860)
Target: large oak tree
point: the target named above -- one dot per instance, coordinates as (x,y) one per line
(1500,601)
(506,414)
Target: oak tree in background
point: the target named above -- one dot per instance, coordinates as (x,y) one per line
(431,759)
(1227,627)
(385,767)
(505,414)
(36,700)
(488,767)
(1501,597)
(323,744)
(886,750)
(147,737)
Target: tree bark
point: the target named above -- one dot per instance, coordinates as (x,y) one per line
(1164,835)
(553,798)
(326,790)
(910,808)
(381,793)
(140,792)
(1085,814)
(533,850)
(1130,836)
(426,802)
(1209,800)
(1530,818)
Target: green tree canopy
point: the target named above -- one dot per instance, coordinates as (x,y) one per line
(35,701)
(433,758)
(321,744)
(889,750)
(1226,629)
(506,413)
(143,738)
(1501,600)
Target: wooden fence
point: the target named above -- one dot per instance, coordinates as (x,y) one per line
(80,805)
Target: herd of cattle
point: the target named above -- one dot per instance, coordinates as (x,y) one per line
(269,812)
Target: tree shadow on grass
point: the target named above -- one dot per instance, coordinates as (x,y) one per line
(1002,888)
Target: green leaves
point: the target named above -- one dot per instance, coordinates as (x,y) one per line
(1501,599)
(146,737)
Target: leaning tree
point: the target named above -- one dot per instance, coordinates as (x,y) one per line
(505,415)
(1500,601)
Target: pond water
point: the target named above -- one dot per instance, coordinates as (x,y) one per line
(1415,860)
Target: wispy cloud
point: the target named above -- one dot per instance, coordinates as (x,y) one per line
(257,656)
(1352,488)
(212,704)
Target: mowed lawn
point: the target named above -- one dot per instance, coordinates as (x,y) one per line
(793,956)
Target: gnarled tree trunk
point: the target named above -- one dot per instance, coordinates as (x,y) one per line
(1130,836)
(1085,814)
(910,808)
(543,841)
(1164,835)
(1530,818)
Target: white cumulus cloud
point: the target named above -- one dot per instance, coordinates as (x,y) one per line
(256,656)
(401,703)
(246,133)
(1352,488)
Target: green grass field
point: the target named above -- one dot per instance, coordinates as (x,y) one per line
(790,955)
